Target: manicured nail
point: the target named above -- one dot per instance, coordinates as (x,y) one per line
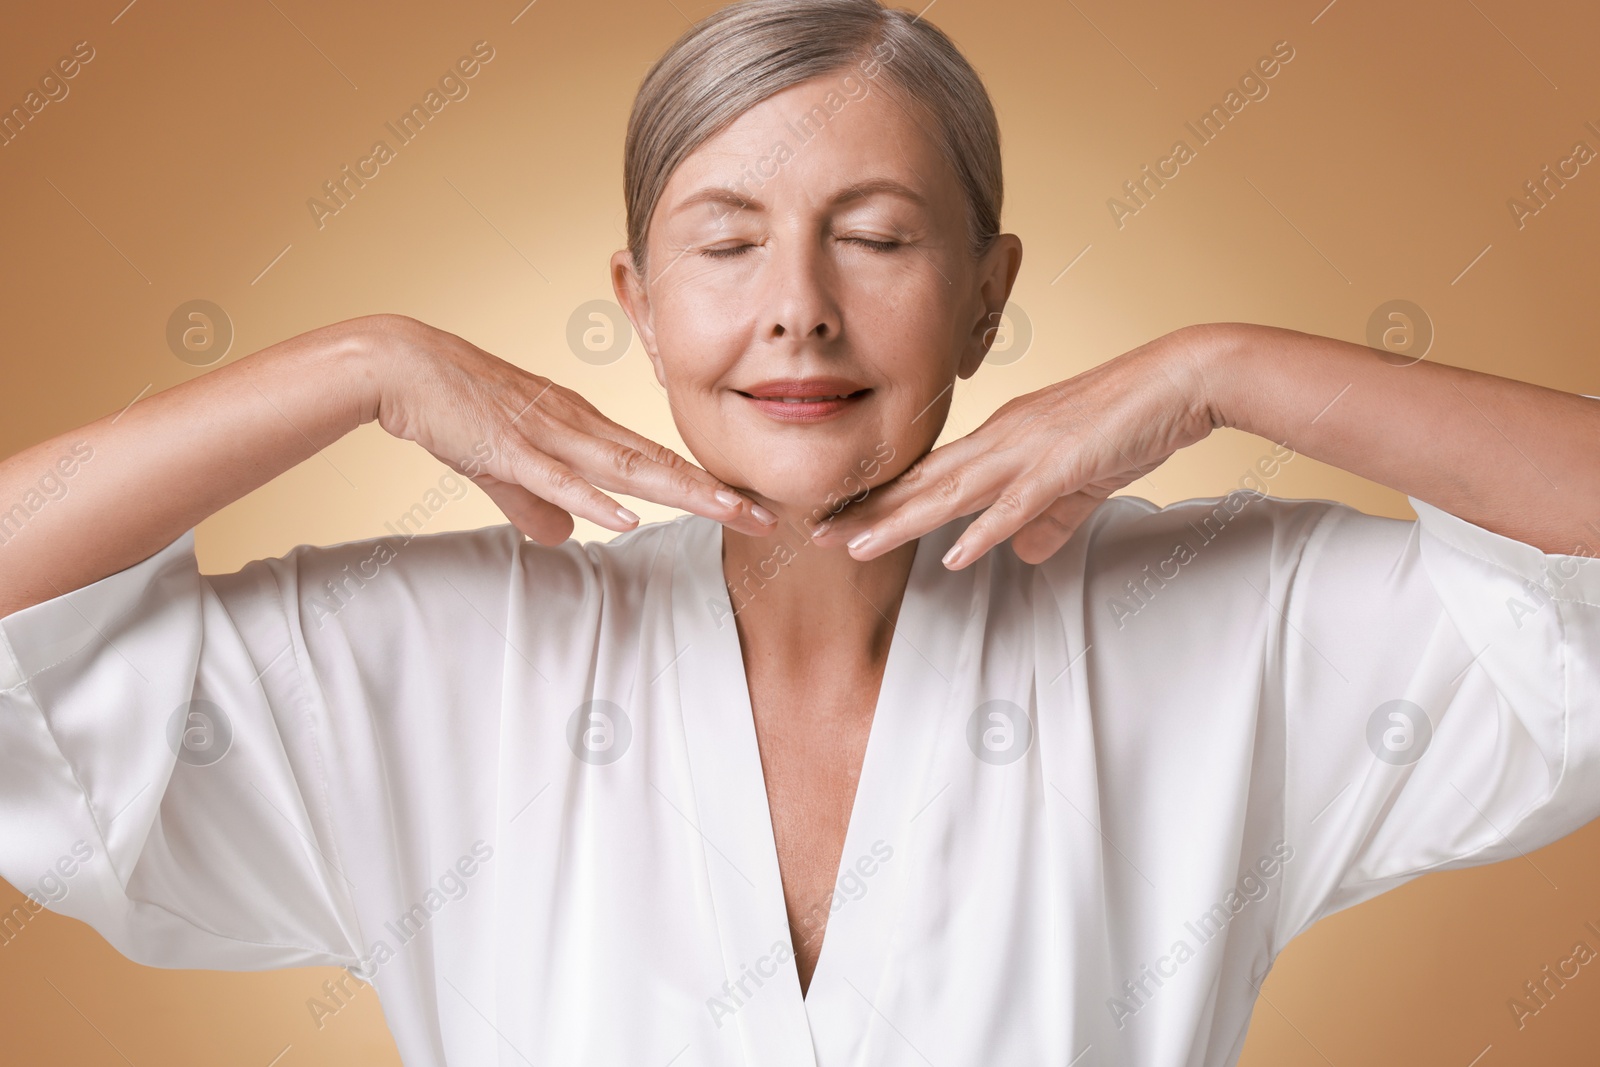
(858,540)
(626,516)
(822,527)
(727,499)
(952,557)
(762,514)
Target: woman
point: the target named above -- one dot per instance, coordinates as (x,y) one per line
(877,755)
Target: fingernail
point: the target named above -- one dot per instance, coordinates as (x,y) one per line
(728,499)
(858,540)
(952,557)
(626,516)
(762,514)
(822,527)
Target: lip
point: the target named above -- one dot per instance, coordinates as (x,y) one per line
(815,398)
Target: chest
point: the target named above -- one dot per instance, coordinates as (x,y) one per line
(975,907)
(812,736)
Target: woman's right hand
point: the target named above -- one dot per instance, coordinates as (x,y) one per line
(94,500)
(540,451)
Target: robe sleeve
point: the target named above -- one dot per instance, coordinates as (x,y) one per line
(174,747)
(1441,702)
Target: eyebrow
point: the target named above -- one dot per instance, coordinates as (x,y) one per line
(715,194)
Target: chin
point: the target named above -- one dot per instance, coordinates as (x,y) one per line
(819,482)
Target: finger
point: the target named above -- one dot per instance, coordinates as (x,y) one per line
(961,491)
(860,513)
(1043,535)
(552,481)
(618,459)
(1015,505)
(538,519)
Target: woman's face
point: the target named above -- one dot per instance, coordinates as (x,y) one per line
(817,247)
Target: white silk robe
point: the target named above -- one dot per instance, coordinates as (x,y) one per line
(518,787)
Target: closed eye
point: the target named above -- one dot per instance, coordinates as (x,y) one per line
(879,246)
(738,250)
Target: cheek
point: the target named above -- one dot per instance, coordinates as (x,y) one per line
(915,347)
(698,349)
(697,342)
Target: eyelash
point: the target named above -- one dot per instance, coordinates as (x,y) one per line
(729,253)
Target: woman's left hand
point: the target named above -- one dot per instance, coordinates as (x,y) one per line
(1042,462)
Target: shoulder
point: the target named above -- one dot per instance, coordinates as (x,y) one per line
(1125,522)
(391,578)
(1197,550)
(1239,526)
(500,547)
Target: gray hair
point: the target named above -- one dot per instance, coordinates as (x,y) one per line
(743,53)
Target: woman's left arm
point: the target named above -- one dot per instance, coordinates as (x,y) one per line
(1518,459)
(1514,458)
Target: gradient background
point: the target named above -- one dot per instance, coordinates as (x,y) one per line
(1379,167)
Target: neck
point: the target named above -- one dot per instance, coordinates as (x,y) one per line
(796,600)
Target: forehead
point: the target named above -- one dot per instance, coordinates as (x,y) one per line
(815,137)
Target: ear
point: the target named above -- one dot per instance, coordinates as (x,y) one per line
(997,273)
(634,297)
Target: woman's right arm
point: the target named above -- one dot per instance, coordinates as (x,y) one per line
(162,465)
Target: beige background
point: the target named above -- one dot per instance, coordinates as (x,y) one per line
(1378,167)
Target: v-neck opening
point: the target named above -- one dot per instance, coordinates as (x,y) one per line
(896,642)
(731,782)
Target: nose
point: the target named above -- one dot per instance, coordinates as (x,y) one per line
(799,296)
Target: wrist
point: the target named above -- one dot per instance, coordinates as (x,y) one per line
(364,355)
(1217,354)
